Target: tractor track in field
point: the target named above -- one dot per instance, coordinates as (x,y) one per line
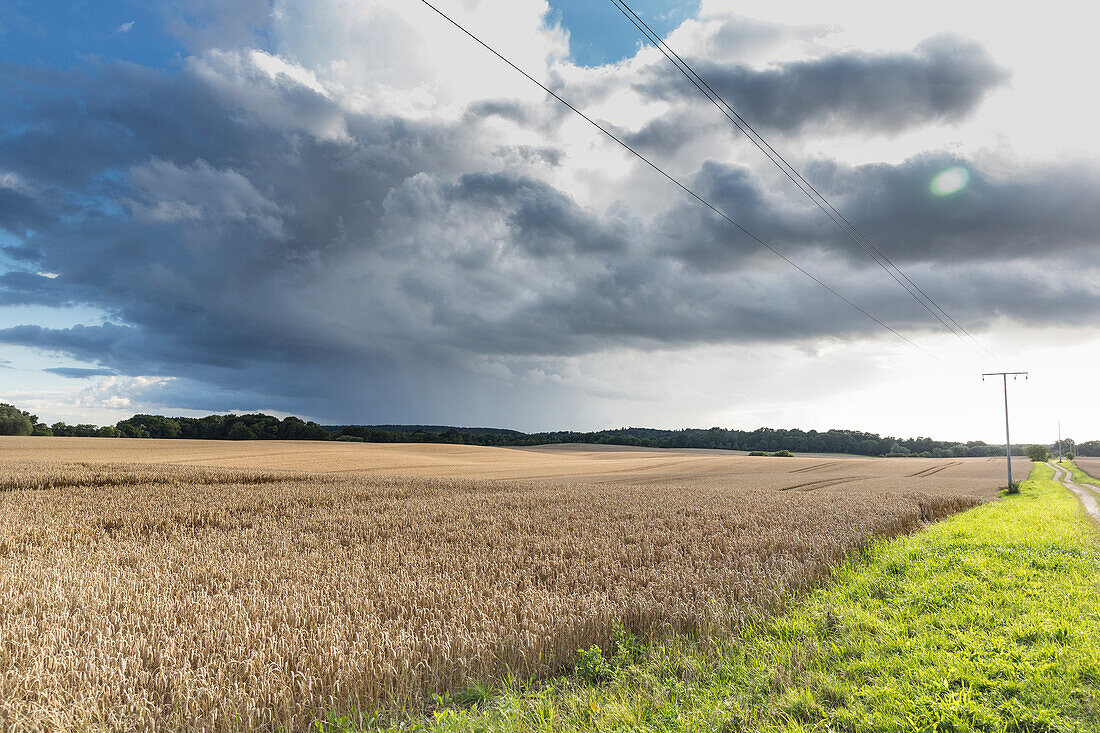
(822,483)
(934,470)
(816,467)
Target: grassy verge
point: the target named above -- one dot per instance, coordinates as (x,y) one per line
(989,620)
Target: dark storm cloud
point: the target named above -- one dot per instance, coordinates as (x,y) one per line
(942,79)
(505,108)
(71,130)
(79,372)
(1007,211)
(88,343)
(19,287)
(19,212)
(541,219)
(251,237)
(665,135)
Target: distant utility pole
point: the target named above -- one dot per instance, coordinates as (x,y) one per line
(1059,440)
(1008,441)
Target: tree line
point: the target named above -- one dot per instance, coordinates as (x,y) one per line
(258,426)
(762,439)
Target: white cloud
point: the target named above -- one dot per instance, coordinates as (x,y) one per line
(14,182)
(401,58)
(277,68)
(123,393)
(125,27)
(244,80)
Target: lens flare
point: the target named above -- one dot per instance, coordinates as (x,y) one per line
(950,181)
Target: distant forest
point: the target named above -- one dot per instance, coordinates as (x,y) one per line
(266,427)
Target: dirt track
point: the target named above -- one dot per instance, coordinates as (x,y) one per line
(1086,495)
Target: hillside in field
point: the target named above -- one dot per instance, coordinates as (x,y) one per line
(561,463)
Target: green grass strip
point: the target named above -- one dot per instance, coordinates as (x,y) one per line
(989,621)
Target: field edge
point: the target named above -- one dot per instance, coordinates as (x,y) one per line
(988,619)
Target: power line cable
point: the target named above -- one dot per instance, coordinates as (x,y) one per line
(677,182)
(812,193)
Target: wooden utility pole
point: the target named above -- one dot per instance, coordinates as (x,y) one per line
(1008,441)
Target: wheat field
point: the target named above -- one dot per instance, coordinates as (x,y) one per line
(225,587)
(1089,465)
(557,463)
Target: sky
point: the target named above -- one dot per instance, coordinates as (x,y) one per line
(349,211)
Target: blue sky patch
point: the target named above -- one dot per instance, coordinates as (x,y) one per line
(601,34)
(66,34)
